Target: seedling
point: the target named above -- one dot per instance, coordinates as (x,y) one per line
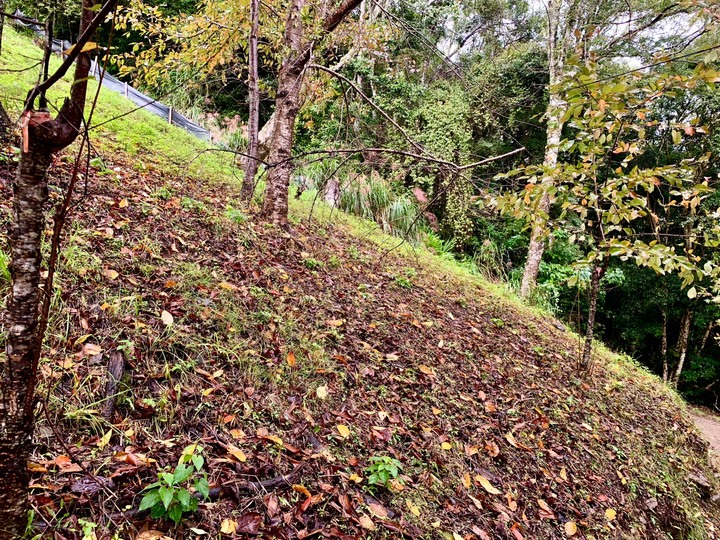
(169,498)
(382,470)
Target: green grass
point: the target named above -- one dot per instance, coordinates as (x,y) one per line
(4,268)
(116,126)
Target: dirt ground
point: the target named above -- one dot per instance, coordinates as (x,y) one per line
(709,425)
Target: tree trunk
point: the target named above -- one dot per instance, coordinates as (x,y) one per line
(287,105)
(2,22)
(42,137)
(664,346)
(556,48)
(22,349)
(682,344)
(597,274)
(251,163)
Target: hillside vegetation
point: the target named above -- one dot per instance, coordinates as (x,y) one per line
(339,383)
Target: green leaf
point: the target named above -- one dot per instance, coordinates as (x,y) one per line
(183,497)
(157,511)
(203,488)
(692,293)
(149,500)
(182,473)
(166,478)
(166,496)
(175,513)
(198,461)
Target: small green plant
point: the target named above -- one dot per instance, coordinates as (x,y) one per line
(4,267)
(404,282)
(164,193)
(192,205)
(169,497)
(88,529)
(498,322)
(312,264)
(382,470)
(236,215)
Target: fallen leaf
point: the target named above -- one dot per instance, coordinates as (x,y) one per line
(366,522)
(235,452)
(322,392)
(610,514)
(167,318)
(343,430)
(487,486)
(123,204)
(427,370)
(446,446)
(111,274)
(413,508)
(570,528)
(249,523)
(291,360)
(467,482)
(334,322)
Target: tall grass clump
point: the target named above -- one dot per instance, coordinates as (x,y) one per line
(372,198)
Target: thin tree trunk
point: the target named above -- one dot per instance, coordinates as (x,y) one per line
(682,344)
(251,163)
(42,138)
(556,48)
(596,276)
(287,105)
(664,346)
(2,22)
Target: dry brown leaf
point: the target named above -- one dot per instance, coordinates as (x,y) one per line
(167,318)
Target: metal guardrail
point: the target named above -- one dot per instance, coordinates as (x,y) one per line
(111,83)
(148,103)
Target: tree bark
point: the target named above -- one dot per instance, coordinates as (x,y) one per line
(682,344)
(596,276)
(251,163)
(556,48)
(287,106)
(42,138)
(2,22)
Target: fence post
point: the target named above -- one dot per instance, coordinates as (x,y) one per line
(125,91)
(170,115)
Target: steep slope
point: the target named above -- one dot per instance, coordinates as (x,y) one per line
(301,362)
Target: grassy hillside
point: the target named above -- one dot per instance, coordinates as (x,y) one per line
(339,385)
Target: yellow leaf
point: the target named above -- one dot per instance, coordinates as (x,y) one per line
(166,318)
(476,502)
(356,478)
(343,430)
(413,508)
(427,370)
(467,482)
(111,274)
(235,452)
(322,392)
(563,474)
(123,204)
(456,536)
(227,286)
(610,514)
(487,486)
(570,528)
(334,322)
(291,360)
(446,446)
(105,440)
(228,526)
